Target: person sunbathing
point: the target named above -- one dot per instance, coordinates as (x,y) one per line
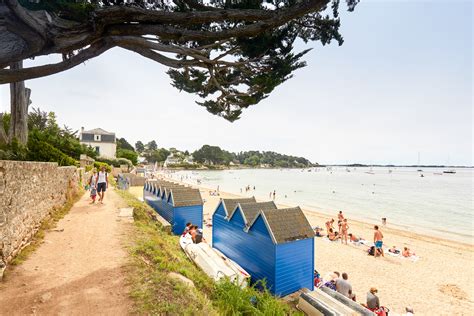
(353,238)
(317,232)
(394,250)
(407,253)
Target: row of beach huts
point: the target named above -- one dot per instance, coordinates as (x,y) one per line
(271,244)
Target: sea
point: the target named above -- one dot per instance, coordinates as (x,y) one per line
(428,202)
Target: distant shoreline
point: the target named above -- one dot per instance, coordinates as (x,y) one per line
(220,168)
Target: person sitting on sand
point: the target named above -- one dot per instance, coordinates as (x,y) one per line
(332,235)
(407,253)
(317,232)
(317,279)
(344,287)
(196,234)
(394,250)
(329,224)
(332,282)
(373,301)
(186,229)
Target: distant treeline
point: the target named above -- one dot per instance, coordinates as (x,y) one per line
(215,155)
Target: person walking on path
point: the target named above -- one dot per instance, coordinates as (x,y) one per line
(102,184)
(378,242)
(93,185)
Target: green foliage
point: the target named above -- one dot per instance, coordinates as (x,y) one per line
(39,150)
(98,165)
(234,72)
(75,10)
(43,126)
(123,144)
(128,154)
(139,147)
(158,155)
(232,300)
(13,151)
(215,155)
(212,155)
(152,145)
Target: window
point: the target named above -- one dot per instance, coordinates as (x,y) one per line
(97,149)
(97,138)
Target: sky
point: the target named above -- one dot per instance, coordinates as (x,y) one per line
(399,86)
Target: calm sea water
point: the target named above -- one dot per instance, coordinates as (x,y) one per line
(437,204)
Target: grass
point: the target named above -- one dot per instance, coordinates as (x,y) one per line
(155,253)
(48,223)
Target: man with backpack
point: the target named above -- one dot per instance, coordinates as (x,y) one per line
(102,183)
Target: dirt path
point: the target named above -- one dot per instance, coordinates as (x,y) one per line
(78,270)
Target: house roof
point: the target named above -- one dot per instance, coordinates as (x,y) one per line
(250,210)
(286,225)
(230,204)
(98,131)
(186,197)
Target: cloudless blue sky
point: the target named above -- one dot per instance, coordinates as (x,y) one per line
(400,84)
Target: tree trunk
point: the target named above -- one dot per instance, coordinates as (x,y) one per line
(3,134)
(20,100)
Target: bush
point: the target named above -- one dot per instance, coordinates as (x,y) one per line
(42,151)
(98,165)
(115,162)
(128,154)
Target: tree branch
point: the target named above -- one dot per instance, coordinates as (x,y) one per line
(96,49)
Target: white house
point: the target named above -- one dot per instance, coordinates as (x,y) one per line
(171,160)
(189,160)
(102,141)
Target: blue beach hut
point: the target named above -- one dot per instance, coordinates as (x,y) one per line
(175,203)
(272,244)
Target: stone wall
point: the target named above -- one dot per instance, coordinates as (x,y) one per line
(134,180)
(29,191)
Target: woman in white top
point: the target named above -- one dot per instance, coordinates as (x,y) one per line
(102,183)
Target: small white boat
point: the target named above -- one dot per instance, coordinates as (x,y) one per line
(214,263)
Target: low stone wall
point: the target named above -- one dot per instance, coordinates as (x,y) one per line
(134,180)
(29,191)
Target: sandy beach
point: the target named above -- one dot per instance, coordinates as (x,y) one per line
(440,282)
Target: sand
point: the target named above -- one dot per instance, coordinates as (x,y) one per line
(440,282)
